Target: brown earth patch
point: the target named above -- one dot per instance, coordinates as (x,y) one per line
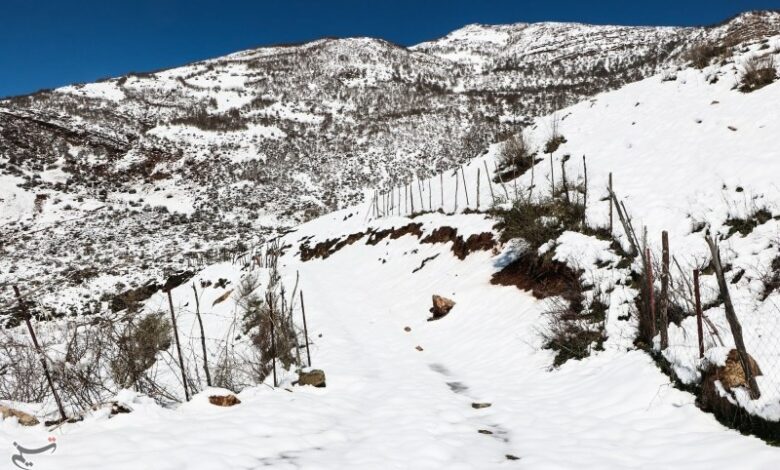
(476,242)
(542,276)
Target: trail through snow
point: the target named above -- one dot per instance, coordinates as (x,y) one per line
(389,405)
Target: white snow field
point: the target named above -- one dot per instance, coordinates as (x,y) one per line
(389,404)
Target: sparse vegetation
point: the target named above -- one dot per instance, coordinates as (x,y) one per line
(759,72)
(539,221)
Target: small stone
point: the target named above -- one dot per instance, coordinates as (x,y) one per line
(419,348)
(479,406)
(485,431)
(314,377)
(407,329)
(224,400)
(512,457)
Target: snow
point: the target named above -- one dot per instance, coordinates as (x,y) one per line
(675,161)
(15,202)
(388,405)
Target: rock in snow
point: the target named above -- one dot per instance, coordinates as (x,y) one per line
(314,377)
(441,307)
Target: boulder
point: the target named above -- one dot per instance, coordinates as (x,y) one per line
(731,375)
(314,377)
(224,400)
(24,418)
(441,307)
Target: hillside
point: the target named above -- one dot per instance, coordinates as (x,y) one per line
(142,176)
(496,382)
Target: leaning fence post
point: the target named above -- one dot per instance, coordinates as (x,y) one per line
(305,329)
(178,347)
(26,314)
(664,290)
(202,336)
(697,298)
(465,186)
(731,316)
(490,183)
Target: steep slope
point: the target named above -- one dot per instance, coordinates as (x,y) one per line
(140,176)
(688,151)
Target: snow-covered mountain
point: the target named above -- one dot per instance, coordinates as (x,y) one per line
(687,150)
(151,173)
(691,148)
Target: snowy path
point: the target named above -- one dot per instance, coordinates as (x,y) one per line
(388,405)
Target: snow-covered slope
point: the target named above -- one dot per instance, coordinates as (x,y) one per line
(686,150)
(182,167)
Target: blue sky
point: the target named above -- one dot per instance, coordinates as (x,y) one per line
(49,43)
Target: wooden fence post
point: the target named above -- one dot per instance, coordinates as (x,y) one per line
(178,347)
(697,298)
(585,192)
(478,174)
(490,183)
(26,314)
(610,202)
(420,192)
(411,195)
(650,294)
(457,184)
(731,316)
(430,196)
(441,188)
(552,176)
(273,348)
(465,188)
(564,184)
(305,329)
(202,336)
(665,291)
(406,199)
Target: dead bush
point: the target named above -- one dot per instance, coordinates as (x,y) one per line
(574,329)
(21,375)
(138,345)
(701,55)
(759,72)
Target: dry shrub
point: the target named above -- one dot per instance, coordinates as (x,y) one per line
(701,54)
(574,327)
(138,345)
(21,375)
(759,72)
(269,320)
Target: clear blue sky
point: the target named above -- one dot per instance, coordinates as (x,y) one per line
(48,43)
